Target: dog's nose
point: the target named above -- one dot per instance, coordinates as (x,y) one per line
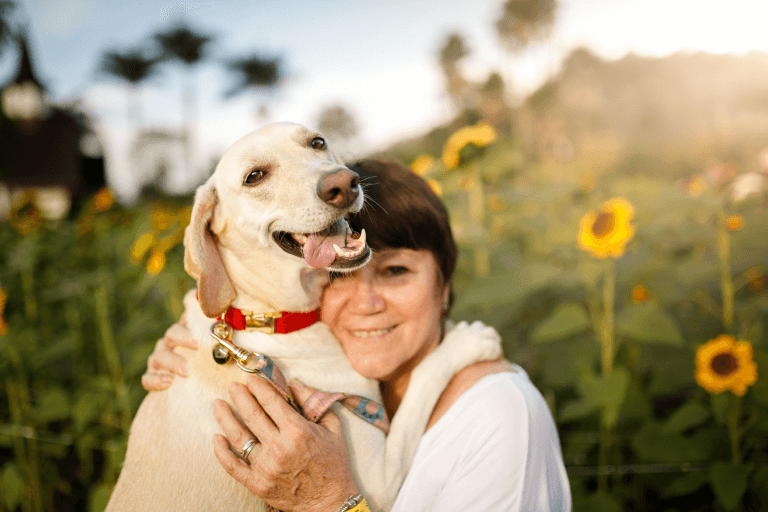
(339,188)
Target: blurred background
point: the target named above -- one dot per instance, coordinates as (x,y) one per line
(605,163)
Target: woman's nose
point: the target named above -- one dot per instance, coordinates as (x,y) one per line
(366,299)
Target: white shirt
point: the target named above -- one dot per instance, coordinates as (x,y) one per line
(495,449)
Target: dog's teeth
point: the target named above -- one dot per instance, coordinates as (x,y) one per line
(338,250)
(362,238)
(302,239)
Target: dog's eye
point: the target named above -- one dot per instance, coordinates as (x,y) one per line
(255,176)
(318,143)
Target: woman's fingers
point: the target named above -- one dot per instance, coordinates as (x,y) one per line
(178,335)
(231,463)
(251,410)
(168,361)
(156,381)
(272,402)
(237,434)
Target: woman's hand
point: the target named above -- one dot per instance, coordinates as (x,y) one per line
(295,464)
(163,362)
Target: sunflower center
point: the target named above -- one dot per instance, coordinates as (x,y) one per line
(603,224)
(724,364)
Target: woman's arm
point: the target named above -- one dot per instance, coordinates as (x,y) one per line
(296,464)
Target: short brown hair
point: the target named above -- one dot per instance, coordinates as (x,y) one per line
(402,211)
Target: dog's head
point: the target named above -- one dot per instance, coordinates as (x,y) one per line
(279,190)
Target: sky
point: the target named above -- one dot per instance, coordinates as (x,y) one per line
(377,58)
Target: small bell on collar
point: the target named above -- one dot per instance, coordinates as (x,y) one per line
(220,354)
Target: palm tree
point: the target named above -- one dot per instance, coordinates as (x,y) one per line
(254,73)
(453,51)
(188,47)
(132,67)
(524,22)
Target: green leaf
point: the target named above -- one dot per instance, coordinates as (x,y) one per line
(729,482)
(754,334)
(760,389)
(760,482)
(604,393)
(687,416)
(565,321)
(13,486)
(86,408)
(607,392)
(600,502)
(99,497)
(646,323)
(652,443)
(686,484)
(576,410)
(52,405)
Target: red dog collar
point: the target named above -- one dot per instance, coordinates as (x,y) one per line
(281,323)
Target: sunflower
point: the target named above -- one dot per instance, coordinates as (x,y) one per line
(723,363)
(734,222)
(436,187)
(103,200)
(639,293)
(605,232)
(422,164)
(480,135)
(156,262)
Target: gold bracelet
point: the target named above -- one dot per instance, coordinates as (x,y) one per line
(355,503)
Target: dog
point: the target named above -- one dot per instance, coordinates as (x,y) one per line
(264,230)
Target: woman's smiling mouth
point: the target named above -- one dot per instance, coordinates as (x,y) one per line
(371,333)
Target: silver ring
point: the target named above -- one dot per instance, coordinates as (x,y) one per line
(248,448)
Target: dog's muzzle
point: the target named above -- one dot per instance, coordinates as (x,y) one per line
(336,247)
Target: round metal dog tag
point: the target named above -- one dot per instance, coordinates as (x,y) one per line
(220,354)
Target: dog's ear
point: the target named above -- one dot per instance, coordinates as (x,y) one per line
(201,255)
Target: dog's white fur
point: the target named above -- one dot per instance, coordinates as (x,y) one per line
(169,463)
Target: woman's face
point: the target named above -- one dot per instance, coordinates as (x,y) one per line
(387,315)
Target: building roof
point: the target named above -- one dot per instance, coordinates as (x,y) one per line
(26,72)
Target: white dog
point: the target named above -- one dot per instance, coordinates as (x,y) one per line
(262,230)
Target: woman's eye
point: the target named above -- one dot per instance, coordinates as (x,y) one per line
(396,270)
(338,276)
(318,143)
(255,177)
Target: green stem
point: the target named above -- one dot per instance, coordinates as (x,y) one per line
(112,357)
(606,328)
(726,281)
(734,430)
(607,356)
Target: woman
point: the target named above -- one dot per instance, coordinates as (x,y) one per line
(490,444)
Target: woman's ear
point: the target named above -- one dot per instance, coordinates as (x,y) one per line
(201,255)
(446,304)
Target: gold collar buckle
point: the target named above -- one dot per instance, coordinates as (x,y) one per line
(262,322)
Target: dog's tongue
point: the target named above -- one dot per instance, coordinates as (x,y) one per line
(319,251)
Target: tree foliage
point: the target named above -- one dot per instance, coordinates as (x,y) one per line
(451,53)
(254,72)
(524,22)
(132,66)
(337,122)
(183,44)
(453,50)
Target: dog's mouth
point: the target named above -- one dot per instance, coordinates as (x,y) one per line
(336,247)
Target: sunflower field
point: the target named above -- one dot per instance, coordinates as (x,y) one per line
(633,294)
